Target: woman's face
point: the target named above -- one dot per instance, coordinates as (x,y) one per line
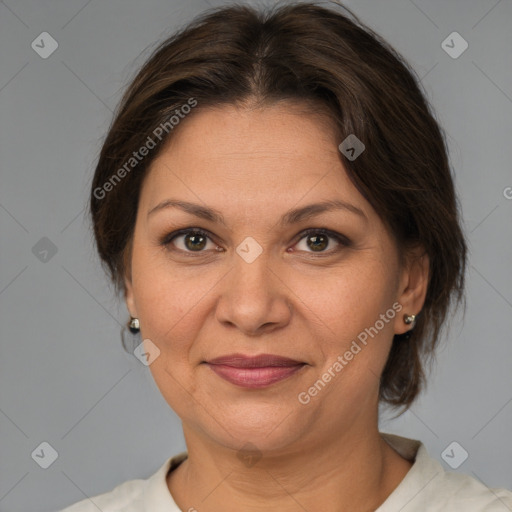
(256,283)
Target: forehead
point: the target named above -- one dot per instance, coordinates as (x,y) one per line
(236,157)
(285,129)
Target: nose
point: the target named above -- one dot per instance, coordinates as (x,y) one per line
(253,298)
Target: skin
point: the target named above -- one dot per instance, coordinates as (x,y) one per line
(253,166)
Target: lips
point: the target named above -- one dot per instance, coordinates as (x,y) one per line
(254,371)
(259,361)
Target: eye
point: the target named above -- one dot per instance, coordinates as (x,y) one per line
(189,240)
(318,240)
(196,240)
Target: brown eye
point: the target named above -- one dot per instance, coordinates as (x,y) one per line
(318,240)
(188,240)
(195,242)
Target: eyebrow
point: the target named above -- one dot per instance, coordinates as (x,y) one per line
(292,217)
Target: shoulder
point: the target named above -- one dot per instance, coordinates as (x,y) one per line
(429,487)
(133,495)
(463,492)
(120,499)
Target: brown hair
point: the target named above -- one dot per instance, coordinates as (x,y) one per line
(313,56)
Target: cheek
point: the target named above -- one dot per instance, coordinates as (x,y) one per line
(348,298)
(172,303)
(346,304)
(169,308)
(159,298)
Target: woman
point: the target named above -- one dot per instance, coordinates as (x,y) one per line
(274,201)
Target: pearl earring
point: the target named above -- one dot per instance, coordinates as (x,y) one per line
(134,325)
(409,319)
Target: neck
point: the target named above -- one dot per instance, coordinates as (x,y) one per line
(354,471)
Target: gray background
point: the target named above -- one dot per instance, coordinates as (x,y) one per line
(65,378)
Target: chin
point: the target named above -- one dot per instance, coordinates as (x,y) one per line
(267,428)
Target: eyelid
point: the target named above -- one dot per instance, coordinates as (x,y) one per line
(341,239)
(185,231)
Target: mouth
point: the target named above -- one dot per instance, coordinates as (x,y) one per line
(254,371)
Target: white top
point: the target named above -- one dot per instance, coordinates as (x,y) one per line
(427,487)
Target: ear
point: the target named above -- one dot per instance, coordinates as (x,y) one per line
(128,286)
(128,297)
(413,286)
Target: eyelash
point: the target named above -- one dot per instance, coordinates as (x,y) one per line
(341,239)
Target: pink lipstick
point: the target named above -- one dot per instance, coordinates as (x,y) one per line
(254,371)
